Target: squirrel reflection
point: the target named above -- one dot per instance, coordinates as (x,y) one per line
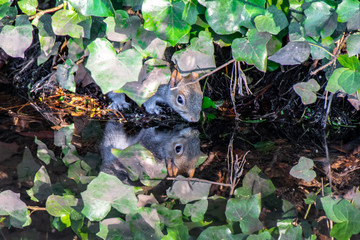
(178,149)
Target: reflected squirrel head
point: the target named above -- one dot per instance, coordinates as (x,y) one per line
(185,99)
(184,152)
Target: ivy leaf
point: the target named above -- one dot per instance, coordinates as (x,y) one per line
(43,153)
(42,186)
(292,54)
(148,44)
(272,22)
(28,167)
(60,206)
(351,63)
(12,206)
(114,228)
(319,17)
(122,28)
(4,7)
(353,44)
(333,83)
(345,215)
(227,16)
(99,8)
(349,81)
(46,34)
(14,40)
(220,232)
(188,191)
(107,191)
(353,23)
(303,169)
(199,55)
(196,210)
(111,71)
(68,22)
(160,13)
(246,211)
(253,49)
(171,218)
(307,91)
(191,11)
(145,223)
(28,6)
(347,9)
(65,75)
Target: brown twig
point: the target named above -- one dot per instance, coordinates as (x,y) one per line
(50,10)
(198,180)
(206,75)
(336,55)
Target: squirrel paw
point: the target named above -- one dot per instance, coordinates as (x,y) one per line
(152,108)
(118,101)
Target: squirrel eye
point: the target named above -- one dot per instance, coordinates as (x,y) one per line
(178,149)
(180,100)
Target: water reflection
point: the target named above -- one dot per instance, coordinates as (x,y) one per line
(149,153)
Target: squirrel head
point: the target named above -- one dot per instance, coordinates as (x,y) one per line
(185,99)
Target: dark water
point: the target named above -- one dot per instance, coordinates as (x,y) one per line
(216,154)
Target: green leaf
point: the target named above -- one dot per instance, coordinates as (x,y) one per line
(347,9)
(104,192)
(196,210)
(75,48)
(294,233)
(188,191)
(345,215)
(351,63)
(207,103)
(303,169)
(141,164)
(307,91)
(114,228)
(246,211)
(145,223)
(320,18)
(353,23)
(43,153)
(272,22)
(292,54)
(310,198)
(4,7)
(199,55)
(28,6)
(14,40)
(61,206)
(260,236)
(122,28)
(353,44)
(255,182)
(157,73)
(12,206)
(253,49)
(68,22)
(296,32)
(65,75)
(171,218)
(28,167)
(179,232)
(333,83)
(111,71)
(322,48)
(148,44)
(99,8)
(63,136)
(220,232)
(164,17)
(46,34)
(227,16)
(42,186)
(349,81)
(191,11)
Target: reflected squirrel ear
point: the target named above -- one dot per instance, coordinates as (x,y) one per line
(176,77)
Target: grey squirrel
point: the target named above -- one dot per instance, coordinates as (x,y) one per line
(184,99)
(177,148)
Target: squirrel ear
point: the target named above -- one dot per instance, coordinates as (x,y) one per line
(175,78)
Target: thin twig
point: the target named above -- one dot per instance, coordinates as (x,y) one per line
(50,10)
(198,180)
(206,75)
